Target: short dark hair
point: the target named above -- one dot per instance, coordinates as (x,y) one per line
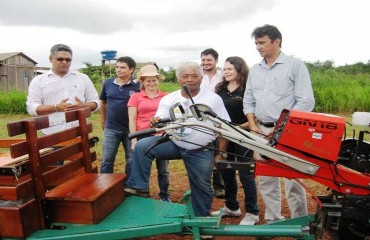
(130,62)
(210,51)
(271,31)
(60,47)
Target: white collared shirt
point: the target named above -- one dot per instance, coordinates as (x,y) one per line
(50,89)
(210,84)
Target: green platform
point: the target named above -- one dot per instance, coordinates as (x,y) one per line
(135,217)
(141,217)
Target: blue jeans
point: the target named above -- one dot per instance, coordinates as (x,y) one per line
(217,181)
(198,164)
(111,141)
(246,179)
(163,176)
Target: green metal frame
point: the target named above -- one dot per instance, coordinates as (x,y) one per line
(135,217)
(141,217)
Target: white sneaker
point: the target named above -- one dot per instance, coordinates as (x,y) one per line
(275,221)
(206,237)
(227,213)
(249,219)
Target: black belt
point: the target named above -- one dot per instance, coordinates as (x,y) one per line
(267,124)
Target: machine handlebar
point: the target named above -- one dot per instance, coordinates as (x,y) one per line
(150,131)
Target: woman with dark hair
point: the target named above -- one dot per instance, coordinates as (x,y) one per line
(231,90)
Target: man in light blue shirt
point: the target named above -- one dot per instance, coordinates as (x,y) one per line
(277,82)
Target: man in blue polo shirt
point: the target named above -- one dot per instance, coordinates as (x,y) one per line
(114,114)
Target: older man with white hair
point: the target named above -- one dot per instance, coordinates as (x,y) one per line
(197,159)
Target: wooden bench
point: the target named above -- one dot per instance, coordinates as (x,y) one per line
(73,192)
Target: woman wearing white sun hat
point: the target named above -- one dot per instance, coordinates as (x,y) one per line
(141,108)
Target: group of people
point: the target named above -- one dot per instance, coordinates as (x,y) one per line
(127,106)
(252,98)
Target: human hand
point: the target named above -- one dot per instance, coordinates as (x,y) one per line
(244,126)
(255,129)
(133,143)
(75,104)
(153,121)
(62,105)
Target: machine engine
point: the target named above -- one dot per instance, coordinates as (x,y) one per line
(311,133)
(346,216)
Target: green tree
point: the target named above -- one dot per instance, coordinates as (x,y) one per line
(95,72)
(169,74)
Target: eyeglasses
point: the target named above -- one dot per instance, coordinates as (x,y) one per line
(64,59)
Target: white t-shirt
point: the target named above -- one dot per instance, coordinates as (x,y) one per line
(184,137)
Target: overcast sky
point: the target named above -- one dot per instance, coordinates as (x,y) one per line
(172,31)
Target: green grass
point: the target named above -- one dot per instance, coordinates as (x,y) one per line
(169,87)
(13,102)
(334,93)
(341,93)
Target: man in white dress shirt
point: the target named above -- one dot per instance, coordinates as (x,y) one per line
(61,89)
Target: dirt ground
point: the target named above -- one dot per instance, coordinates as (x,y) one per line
(179,184)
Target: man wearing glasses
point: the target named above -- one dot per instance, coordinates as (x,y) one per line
(61,89)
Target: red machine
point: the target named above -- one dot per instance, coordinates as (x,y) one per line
(342,164)
(316,138)
(311,133)
(305,145)
(313,146)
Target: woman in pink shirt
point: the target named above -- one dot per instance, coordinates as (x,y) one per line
(142,107)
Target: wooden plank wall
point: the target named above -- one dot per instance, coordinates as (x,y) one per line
(18,75)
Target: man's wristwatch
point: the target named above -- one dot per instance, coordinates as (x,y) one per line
(223,154)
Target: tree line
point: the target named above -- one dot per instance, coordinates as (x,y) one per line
(338,89)
(328,66)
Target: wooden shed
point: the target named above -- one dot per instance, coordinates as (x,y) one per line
(16,71)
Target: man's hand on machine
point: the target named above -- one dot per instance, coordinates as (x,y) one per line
(154,121)
(157,122)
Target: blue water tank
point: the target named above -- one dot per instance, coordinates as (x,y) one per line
(109,54)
